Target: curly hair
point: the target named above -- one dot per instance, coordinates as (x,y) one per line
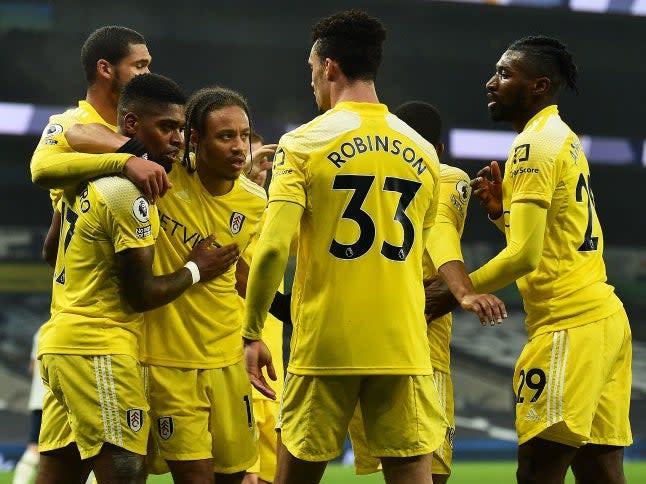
(549,57)
(354,40)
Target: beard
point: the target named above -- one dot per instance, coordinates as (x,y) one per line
(117,85)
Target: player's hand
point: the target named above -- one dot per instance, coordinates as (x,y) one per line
(487,187)
(148,176)
(259,162)
(439,299)
(213,260)
(488,307)
(257,356)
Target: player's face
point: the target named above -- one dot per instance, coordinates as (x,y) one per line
(509,89)
(320,84)
(161,133)
(135,63)
(222,149)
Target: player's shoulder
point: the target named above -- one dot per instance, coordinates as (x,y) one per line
(430,155)
(255,191)
(115,189)
(452,174)
(545,135)
(403,128)
(59,122)
(121,196)
(321,130)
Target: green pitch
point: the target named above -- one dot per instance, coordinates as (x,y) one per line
(463,473)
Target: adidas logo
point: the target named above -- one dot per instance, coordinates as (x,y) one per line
(532,415)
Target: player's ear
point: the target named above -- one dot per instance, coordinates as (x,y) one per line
(104,69)
(331,69)
(130,123)
(542,86)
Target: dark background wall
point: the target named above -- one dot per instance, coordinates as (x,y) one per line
(440,52)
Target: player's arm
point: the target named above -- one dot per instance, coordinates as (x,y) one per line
(522,253)
(98,151)
(144,291)
(280,306)
(267,270)
(50,246)
(55,165)
(268,264)
(444,248)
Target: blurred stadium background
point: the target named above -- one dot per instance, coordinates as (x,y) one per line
(441,52)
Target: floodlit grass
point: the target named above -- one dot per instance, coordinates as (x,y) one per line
(463,473)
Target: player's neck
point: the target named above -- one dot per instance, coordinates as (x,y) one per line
(103,102)
(357,91)
(214,184)
(520,122)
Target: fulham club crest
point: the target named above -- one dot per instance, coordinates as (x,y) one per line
(235,222)
(165,427)
(135,419)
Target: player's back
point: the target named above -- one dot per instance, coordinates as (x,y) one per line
(106,217)
(369,185)
(547,165)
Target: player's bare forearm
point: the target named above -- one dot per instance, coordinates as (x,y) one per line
(242,276)
(439,299)
(142,290)
(50,246)
(488,307)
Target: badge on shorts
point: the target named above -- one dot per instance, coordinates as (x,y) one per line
(135,418)
(235,222)
(165,427)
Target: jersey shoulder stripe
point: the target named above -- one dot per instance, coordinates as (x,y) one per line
(253,188)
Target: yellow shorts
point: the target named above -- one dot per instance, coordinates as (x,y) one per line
(92,400)
(364,463)
(266,412)
(202,414)
(573,386)
(401,413)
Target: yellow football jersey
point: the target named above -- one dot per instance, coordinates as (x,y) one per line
(92,318)
(547,165)
(54,152)
(455,192)
(369,186)
(201,328)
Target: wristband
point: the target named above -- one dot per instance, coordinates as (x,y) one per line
(195,272)
(133,147)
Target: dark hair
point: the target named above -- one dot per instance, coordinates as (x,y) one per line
(354,40)
(256,137)
(200,104)
(147,92)
(549,57)
(111,43)
(423,118)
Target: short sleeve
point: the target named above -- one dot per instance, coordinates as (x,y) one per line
(288,180)
(130,221)
(531,167)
